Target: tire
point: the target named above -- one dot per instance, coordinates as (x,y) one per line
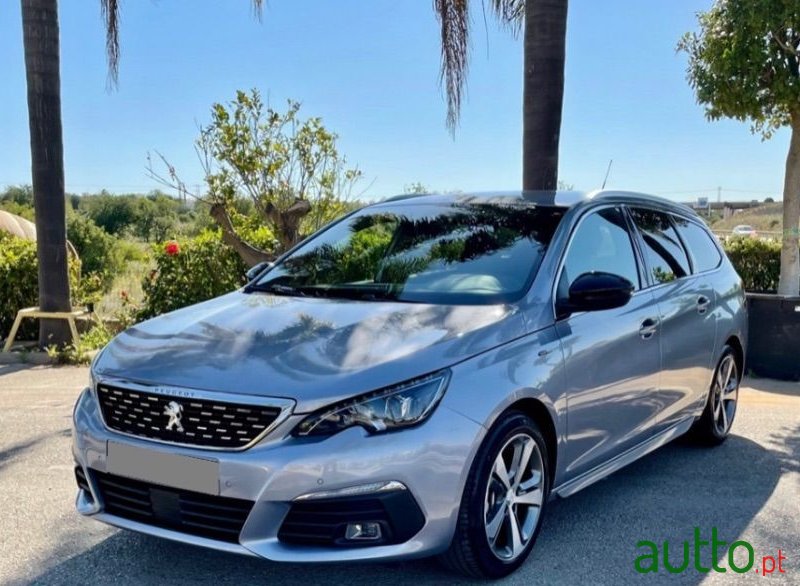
(471,552)
(715,423)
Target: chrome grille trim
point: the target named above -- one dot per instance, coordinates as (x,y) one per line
(238,402)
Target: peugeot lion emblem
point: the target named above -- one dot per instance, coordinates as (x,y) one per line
(175,412)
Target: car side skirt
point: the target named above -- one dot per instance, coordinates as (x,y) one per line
(588,478)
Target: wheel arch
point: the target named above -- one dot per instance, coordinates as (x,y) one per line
(738,349)
(539,412)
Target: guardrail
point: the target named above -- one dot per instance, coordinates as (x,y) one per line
(726,234)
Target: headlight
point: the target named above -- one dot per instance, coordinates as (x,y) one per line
(384,410)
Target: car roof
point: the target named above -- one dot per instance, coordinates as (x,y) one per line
(565,199)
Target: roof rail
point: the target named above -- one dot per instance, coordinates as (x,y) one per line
(613,193)
(403,196)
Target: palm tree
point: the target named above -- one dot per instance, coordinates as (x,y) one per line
(40,38)
(42,69)
(544,26)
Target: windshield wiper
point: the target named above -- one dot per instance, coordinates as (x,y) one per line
(330,292)
(276,289)
(355,293)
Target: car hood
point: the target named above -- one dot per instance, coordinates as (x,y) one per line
(315,351)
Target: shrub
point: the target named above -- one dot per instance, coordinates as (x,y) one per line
(19,283)
(102,255)
(190,271)
(757,261)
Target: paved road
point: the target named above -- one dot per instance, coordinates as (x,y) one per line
(748,489)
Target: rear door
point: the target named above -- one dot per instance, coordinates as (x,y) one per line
(611,357)
(685,301)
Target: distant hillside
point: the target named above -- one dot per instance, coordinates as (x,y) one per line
(764,218)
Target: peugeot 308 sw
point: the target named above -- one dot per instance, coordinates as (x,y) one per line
(418,378)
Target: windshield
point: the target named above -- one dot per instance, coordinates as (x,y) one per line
(424,253)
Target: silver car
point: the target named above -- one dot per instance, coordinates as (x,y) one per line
(419,378)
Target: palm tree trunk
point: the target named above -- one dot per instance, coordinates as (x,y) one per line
(543,91)
(789,283)
(40,35)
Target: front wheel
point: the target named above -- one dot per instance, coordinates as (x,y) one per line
(715,423)
(503,501)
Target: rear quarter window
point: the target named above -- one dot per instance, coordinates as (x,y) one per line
(666,258)
(704,252)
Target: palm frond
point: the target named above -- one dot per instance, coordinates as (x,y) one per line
(453,15)
(510,13)
(258,8)
(109,10)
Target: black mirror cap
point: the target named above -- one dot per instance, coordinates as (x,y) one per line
(256,270)
(597,291)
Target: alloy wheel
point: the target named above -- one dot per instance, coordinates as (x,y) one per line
(514,496)
(725,395)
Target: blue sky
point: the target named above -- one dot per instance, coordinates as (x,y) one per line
(370,70)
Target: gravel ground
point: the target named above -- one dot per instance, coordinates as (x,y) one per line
(749,489)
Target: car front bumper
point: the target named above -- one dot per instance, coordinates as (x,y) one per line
(431,461)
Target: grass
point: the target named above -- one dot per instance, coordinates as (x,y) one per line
(130,282)
(764,218)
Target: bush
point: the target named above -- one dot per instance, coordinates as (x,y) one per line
(757,261)
(99,251)
(190,271)
(103,256)
(19,283)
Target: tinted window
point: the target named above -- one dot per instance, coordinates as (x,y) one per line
(705,254)
(601,243)
(463,253)
(666,258)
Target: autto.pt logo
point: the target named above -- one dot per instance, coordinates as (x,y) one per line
(704,555)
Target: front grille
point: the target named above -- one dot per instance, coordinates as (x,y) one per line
(324,522)
(213,517)
(203,422)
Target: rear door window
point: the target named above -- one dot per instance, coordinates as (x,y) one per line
(666,259)
(704,252)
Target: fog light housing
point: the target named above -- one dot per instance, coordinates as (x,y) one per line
(363,532)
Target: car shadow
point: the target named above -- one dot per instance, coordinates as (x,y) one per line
(589,538)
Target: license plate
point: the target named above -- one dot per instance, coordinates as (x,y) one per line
(173,470)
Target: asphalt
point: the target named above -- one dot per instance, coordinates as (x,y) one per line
(748,489)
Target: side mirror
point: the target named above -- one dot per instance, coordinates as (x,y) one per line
(597,291)
(256,270)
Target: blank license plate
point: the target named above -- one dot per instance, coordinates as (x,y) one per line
(173,470)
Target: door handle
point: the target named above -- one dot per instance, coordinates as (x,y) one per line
(702,304)
(648,328)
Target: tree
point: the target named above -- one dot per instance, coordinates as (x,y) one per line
(416,188)
(41,44)
(544,26)
(744,64)
(288,167)
(18,194)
